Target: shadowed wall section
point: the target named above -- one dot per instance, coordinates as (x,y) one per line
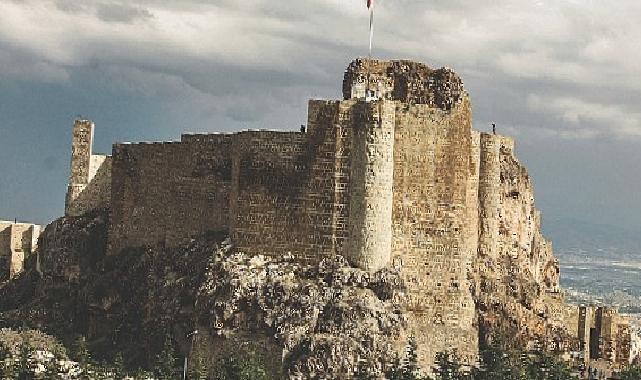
(167,193)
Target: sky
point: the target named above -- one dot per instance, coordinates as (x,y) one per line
(560,76)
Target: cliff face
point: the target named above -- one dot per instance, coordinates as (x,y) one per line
(307,321)
(515,275)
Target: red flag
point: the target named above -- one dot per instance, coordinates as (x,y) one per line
(370,3)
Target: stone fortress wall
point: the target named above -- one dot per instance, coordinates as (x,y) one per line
(392,175)
(164,193)
(17,242)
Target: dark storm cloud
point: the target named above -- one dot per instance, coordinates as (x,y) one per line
(115,12)
(562,76)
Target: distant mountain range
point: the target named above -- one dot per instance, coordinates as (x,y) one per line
(599,262)
(572,234)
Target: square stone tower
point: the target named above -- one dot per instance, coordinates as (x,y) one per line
(89,185)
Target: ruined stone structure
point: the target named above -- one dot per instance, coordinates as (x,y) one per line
(603,335)
(17,242)
(391,176)
(90,174)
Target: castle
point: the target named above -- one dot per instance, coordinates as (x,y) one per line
(391,176)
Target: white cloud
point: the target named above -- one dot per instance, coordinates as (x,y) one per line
(584,116)
(517,47)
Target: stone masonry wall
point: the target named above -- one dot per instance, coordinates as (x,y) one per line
(471,240)
(290,191)
(81,145)
(274,192)
(515,274)
(166,193)
(311,193)
(603,334)
(274,206)
(435,198)
(405,81)
(431,179)
(96,193)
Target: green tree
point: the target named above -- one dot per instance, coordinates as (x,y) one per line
(142,375)
(499,362)
(118,367)
(81,352)
(165,368)
(448,367)
(406,368)
(631,373)
(245,366)
(83,356)
(24,367)
(8,366)
(542,366)
(362,371)
(199,370)
(51,369)
(410,369)
(395,371)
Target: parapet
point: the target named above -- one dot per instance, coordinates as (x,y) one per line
(404,81)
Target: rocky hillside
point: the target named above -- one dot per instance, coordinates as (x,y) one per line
(124,304)
(318,319)
(307,321)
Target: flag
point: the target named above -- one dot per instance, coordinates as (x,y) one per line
(370,4)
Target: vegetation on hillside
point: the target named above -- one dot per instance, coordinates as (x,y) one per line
(28,358)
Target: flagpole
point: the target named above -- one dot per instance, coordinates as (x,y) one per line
(371,29)
(370,6)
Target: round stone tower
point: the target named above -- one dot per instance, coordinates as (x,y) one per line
(371,179)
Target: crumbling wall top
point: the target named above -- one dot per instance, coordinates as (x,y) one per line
(405,81)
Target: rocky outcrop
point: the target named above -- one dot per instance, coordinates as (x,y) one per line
(515,274)
(320,320)
(405,81)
